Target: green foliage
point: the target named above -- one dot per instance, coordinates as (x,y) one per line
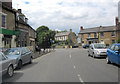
(43,36)
(63,31)
(119,40)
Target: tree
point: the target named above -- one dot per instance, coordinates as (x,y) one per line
(43,37)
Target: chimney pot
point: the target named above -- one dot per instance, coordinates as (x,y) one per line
(81,27)
(19,11)
(70,30)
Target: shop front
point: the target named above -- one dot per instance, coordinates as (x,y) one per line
(8,38)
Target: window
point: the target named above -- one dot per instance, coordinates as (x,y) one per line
(95,35)
(3,20)
(112,47)
(64,37)
(113,34)
(60,37)
(88,35)
(113,41)
(82,36)
(102,34)
(116,48)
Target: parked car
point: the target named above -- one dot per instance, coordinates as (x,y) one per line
(22,55)
(113,54)
(7,65)
(86,46)
(3,49)
(97,50)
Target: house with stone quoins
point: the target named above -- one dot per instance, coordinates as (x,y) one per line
(102,34)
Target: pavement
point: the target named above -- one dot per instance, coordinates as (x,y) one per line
(67,65)
(37,54)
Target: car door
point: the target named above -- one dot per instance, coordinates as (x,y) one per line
(110,53)
(27,55)
(5,64)
(23,55)
(91,49)
(116,55)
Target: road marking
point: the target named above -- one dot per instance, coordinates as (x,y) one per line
(70,56)
(74,67)
(80,79)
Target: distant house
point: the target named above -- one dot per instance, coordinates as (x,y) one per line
(63,36)
(102,34)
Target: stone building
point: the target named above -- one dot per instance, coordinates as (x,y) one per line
(103,34)
(64,36)
(8,33)
(27,33)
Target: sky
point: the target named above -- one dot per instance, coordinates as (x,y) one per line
(68,14)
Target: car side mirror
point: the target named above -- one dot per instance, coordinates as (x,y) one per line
(117,52)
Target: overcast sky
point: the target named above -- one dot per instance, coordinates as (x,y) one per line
(66,14)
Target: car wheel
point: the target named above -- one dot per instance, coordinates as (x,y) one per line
(19,65)
(10,71)
(108,61)
(30,61)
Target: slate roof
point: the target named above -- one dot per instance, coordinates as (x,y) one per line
(62,34)
(98,29)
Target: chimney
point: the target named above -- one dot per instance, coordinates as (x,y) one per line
(116,21)
(8,4)
(81,28)
(19,11)
(26,20)
(70,30)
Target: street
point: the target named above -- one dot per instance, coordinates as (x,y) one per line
(66,65)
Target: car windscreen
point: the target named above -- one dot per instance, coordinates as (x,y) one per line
(12,52)
(99,46)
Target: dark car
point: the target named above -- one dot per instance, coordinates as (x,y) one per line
(22,55)
(86,46)
(113,54)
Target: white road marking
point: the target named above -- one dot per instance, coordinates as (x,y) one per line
(70,56)
(74,67)
(80,78)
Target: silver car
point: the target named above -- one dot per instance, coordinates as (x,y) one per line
(22,56)
(97,50)
(6,65)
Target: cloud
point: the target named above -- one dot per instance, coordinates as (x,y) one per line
(66,14)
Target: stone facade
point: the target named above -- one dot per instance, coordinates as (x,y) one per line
(106,35)
(7,29)
(64,36)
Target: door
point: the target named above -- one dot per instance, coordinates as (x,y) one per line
(5,64)
(111,53)
(91,50)
(116,55)
(23,55)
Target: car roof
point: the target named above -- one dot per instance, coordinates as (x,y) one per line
(117,44)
